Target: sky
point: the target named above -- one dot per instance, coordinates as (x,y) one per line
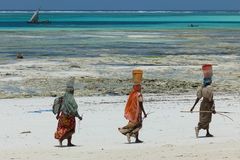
(120,4)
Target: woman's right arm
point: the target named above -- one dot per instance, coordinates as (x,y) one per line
(141,106)
(196,101)
(78,116)
(76,111)
(199,96)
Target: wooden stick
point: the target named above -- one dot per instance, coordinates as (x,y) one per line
(147,114)
(225,116)
(204,112)
(79,123)
(220,113)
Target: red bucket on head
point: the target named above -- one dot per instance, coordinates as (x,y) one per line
(207,70)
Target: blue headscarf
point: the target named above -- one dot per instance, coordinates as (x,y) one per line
(207,81)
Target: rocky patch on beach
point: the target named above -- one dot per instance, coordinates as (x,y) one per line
(111,75)
(91,86)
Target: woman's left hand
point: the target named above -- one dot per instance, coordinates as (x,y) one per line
(145,115)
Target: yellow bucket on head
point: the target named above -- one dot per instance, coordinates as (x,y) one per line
(137,76)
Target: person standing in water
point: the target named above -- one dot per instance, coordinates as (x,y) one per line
(67,112)
(207,106)
(133,113)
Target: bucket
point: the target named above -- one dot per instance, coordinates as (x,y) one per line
(137,76)
(207,70)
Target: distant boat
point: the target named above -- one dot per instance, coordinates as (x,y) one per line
(193,25)
(35,18)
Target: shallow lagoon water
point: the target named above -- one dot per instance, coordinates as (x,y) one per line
(108,45)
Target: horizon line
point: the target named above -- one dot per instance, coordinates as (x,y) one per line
(119,10)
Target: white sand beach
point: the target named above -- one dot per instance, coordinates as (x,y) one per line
(28,128)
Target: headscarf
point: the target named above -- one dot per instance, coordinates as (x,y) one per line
(132,109)
(207,81)
(137,87)
(69,105)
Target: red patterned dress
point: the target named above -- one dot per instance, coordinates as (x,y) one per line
(66,125)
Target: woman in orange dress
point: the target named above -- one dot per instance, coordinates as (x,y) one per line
(133,113)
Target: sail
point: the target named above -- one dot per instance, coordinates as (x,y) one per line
(35,17)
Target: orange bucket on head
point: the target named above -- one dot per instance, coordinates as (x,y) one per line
(137,76)
(207,70)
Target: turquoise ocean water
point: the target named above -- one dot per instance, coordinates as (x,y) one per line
(106,20)
(94,33)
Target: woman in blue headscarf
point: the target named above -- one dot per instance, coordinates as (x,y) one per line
(207,106)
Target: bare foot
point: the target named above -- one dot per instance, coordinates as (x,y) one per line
(138,141)
(128,138)
(60,143)
(70,145)
(196,131)
(209,135)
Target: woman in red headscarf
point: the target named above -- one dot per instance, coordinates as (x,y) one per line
(133,113)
